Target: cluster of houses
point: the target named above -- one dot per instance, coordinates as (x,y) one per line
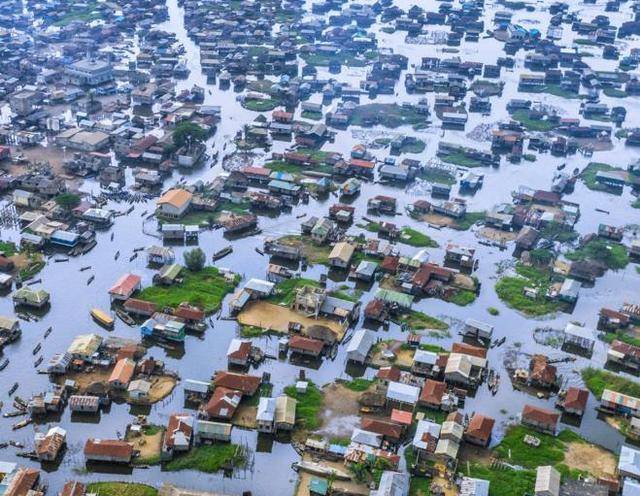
(130,375)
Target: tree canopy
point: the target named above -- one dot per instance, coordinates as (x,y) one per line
(186,132)
(195,259)
(68,200)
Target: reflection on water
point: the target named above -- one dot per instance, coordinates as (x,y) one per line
(270,472)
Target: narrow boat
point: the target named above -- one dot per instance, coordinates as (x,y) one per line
(13,388)
(259,251)
(124,316)
(222,253)
(86,267)
(102,317)
(90,280)
(21,424)
(14,413)
(4,364)
(117,255)
(133,257)
(47,332)
(38,361)
(37,348)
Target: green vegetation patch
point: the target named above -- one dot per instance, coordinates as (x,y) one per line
(311,115)
(68,201)
(418,320)
(505,481)
(433,175)
(386,114)
(343,58)
(285,291)
(36,264)
(308,407)
(513,449)
(555,231)
(588,175)
(469,219)
(462,297)
(8,248)
(358,384)
(415,146)
(597,380)
(284,166)
(205,289)
(260,105)
(613,255)
(542,125)
(86,15)
(416,238)
(557,90)
(209,459)
(353,295)
(510,289)
(614,93)
(315,253)
(462,159)
(121,489)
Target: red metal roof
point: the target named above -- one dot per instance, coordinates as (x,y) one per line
(540,415)
(480,427)
(246,384)
(125,285)
(306,344)
(108,447)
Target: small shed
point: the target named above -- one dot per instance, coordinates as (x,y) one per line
(579,337)
(359,346)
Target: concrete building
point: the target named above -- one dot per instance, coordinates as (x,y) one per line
(174,203)
(547,481)
(89,72)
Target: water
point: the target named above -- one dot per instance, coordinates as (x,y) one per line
(270,472)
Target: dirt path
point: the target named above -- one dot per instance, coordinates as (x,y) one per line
(149,446)
(276,318)
(340,412)
(245,416)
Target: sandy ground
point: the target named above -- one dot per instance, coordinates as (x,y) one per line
(448,487)
(593,459)
(149,446)
(52,154)
(245,416)
(497,234)
(20,260)
(161,387)
(438,220)
(404,358)
(340,413)
(339,485)
(464,281)
(85,379)
(313,253)
(277,318)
